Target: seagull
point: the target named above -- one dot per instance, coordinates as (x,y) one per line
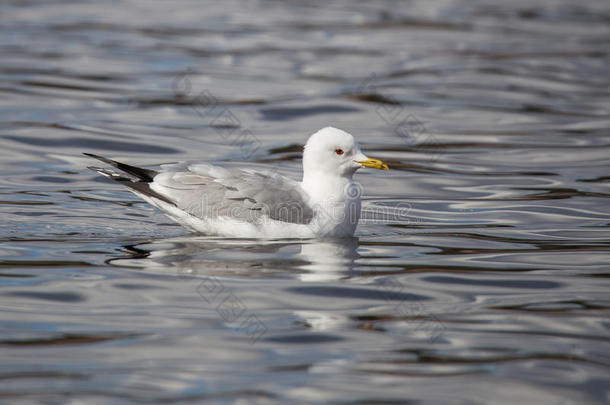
(247,203)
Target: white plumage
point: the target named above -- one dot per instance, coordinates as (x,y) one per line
(254,204)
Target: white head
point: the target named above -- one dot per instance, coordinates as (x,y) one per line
(335,152)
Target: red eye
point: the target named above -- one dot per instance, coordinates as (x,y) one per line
(339,151)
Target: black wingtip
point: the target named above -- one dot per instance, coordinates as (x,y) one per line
(140,182)
(103,159)
(145,175)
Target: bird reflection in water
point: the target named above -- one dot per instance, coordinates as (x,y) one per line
(192,256)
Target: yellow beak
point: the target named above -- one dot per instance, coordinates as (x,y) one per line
(374,163)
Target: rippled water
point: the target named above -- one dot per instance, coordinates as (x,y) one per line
(479,273)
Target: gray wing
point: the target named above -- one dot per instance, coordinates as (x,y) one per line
(210,191)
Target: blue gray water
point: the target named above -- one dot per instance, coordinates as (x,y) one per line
(478,275)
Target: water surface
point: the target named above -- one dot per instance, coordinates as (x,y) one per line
(479,271)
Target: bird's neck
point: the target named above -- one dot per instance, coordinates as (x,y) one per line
(335,201)
(324,188)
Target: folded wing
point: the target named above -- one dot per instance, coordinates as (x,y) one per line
(209,191)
